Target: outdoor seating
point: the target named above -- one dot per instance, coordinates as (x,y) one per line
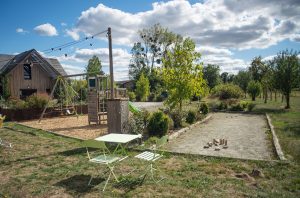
(106,158)
(151,156)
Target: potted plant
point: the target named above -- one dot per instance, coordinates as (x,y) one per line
(2,118)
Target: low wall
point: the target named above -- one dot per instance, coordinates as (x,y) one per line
(31,114)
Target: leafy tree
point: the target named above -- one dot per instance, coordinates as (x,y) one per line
(226,77)
(182,74)
(257,68)
(142,88)
(253,89)
(242,79)
(286,69)
(148,53)
(94,66)
(211,73)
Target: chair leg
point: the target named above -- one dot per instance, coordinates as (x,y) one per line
(106,181)
(90,180)
(112,171)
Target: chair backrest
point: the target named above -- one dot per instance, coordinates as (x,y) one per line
(94,144)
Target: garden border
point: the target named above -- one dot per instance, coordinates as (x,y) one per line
(183,130)
(276,144)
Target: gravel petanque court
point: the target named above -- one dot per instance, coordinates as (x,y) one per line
(246,136)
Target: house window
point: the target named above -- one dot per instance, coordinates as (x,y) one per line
(27,72)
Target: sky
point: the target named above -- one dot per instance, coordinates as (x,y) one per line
(229,33)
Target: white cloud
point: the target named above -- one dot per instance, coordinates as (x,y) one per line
(73,34)
(21,31)
(46,30)
(228,24)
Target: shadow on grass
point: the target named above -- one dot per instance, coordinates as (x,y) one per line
(269,110)
(128,183)
(79,183)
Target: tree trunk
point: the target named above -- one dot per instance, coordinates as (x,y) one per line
(271,95)
(245,94)
(180,105)
(253,97)
(282,97)
(275,95)
(287,98)
(266,95)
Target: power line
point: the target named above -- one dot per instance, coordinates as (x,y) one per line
(60,47)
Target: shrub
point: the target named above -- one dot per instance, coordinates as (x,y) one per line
(171,124)
(250,106)
(36,101)
(131,95)
(204,108)
(138,122)
(227,91)
(14,103)
(222,106)
(177,118)
(254,89)
(237,107)
(158,124)
(244,104)
(191,117)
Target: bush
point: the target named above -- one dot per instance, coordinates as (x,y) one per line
(204,108)
(171,124)
(131,96)
(237,107)
(254,89)
(227,91)
(177,118)
(222,106)
(191,117)
(138,122)
(244,104)
(36,101)
(250,106)
(158,124)
(14,103)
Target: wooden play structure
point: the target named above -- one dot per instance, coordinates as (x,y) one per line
(97,99)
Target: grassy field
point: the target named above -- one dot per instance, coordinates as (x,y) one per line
(44,165)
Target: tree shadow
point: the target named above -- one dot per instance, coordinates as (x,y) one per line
(79,183)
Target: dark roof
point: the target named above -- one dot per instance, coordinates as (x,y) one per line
(50,65)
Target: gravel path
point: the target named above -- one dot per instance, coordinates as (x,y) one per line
(246,136)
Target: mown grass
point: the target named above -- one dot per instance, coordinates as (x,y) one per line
(43,165)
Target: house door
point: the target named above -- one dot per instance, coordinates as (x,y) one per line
(27,92)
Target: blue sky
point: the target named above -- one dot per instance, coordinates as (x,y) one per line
(227,33)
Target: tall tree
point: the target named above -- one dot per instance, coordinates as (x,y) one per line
(286,69)
(148,53)
(182,74)
(142,88)
(211,73)
(94,66)
(226,77)
(242,79)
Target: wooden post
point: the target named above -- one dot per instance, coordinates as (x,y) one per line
(111,69)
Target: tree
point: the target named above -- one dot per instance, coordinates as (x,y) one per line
(94,66)
(182,74)
(286,69)
(226,77)
(242,79)
(148,53)
(211,73)
(253,89)
(142,88)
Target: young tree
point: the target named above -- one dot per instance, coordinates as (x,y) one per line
(211,73)
(182,74)
(286,69)
(142,88)
(94,66)
(253,89)
(242,79)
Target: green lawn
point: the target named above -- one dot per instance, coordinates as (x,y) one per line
(44,165)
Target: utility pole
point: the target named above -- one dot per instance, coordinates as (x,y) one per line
(111,69)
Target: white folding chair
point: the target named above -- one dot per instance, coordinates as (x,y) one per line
(151,157)
(106,158)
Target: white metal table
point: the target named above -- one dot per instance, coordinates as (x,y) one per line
(121,139)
